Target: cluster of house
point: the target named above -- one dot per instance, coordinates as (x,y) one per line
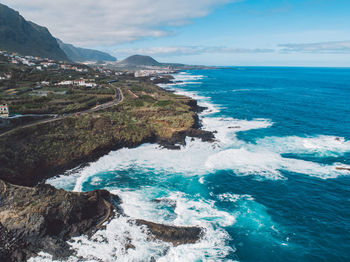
(104,71)
(154,72)
(4,110)
(79,82)
(40,63)
(73,67)
(32,61)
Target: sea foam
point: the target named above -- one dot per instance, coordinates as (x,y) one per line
(263,159)
(322,146)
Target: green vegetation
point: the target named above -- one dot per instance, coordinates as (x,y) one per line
(25,94)
(163,103)
(143,116)
(26,38)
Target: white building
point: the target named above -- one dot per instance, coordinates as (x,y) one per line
(65,83)
(4,110)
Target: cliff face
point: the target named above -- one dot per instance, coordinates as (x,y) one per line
(43,218)
(26,38)
(32,154)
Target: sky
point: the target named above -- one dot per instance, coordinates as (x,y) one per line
(207,32)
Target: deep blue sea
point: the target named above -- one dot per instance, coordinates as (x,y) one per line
(267,190)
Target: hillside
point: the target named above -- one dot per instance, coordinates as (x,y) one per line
(78,54)
(147,114)
(26,38)
(139,60)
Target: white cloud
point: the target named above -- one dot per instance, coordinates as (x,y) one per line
(187,50)
(109,22)
(337,47)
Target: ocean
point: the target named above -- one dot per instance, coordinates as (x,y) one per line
(268,189)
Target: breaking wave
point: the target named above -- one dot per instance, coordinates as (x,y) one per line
(263,159)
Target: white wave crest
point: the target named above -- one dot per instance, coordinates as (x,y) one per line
(111,244)
(317,145)
(263,159)
(267,164)
(228,197)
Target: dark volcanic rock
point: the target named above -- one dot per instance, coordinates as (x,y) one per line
(179,138)
(343,168)
(9,246)
(175,235)
(166,79)
(43,218)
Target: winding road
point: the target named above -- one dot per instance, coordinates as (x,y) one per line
(118,99)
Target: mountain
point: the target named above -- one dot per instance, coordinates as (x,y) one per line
(78,54)
(139,60)
(26,38)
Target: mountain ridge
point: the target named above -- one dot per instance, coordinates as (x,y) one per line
(28,38)
(79,54)
(25,37)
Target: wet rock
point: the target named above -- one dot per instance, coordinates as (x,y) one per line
(343,168)
(205,136)
(43,218)
(172,234)
(179,138)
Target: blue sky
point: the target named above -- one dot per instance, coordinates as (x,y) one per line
(262,24)
(210,32)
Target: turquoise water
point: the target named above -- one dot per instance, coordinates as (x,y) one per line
(267,190)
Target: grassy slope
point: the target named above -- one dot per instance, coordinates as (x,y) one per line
(147,113)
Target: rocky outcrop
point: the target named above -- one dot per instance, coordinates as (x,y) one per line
(30,155)
(179,138)
(43,218)
(175,235)
(165,79)
(343,168)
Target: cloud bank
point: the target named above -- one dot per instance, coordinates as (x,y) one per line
(336,47)
(341,47)
(188,50)
(109,22)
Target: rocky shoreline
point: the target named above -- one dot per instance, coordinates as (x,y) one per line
(43,218)
(37,217)
(31,176)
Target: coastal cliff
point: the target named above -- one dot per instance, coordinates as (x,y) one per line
(36,217)
(32,154)
(42,218)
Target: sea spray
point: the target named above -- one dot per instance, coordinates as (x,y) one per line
(177,187)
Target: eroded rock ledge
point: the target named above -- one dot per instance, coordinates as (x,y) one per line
(43,218)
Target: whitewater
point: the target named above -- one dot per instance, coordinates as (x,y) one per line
(242,188)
